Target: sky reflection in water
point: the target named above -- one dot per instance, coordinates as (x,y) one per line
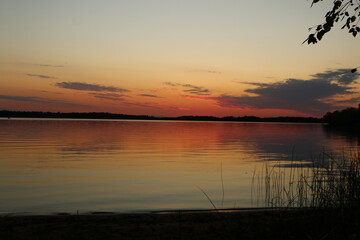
(69,165)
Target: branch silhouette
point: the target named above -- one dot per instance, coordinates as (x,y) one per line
(346,11)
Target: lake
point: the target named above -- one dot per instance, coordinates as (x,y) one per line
(129,166)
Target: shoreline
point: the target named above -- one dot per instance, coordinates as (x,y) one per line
(164,211)
(238,224)
(8,114)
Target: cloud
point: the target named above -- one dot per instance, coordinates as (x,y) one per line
(39,76)
(48,65)
(147,105)
(60,93)
(40,100)
(341,76)
(301,90)
(148,95)
(195,89)
(109,96)
(200,97)
(24,98)
(179,108)
(156,106)
(189,88)
(89,87)
(256,84)
(171,84)
(349,101)
(307,96)
(206,71)
(213,72)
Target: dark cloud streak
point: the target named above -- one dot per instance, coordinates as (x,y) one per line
(109,96)
(89,87)
(41,100)
(171,84)
(40,76)
(197,90)
(24,98)
(148,95)
(207,71)
(49,65)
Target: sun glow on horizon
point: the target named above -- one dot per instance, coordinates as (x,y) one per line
(171,58)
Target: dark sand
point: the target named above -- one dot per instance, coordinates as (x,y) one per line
(255,224)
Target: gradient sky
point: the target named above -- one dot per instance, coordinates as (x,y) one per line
(174,57)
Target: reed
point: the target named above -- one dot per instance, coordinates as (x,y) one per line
(329,182)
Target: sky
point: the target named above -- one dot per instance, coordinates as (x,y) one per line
(174,58)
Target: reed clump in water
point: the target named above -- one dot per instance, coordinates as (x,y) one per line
(329,182)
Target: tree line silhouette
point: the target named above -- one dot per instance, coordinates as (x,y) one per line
(105,115)
(345,117)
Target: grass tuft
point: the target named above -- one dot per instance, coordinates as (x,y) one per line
(330,182)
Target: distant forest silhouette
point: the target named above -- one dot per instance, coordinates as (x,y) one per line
(346,117)
(105,115)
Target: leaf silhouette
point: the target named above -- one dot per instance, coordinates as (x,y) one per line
(345,11)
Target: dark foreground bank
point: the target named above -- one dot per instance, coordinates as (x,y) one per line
(274,224)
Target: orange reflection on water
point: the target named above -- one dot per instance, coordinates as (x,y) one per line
(129,165)
(118,143)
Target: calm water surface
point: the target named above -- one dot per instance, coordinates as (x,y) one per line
(86,165)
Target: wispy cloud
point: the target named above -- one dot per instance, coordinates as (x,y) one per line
(189,88)
(195,89)
(349,101)
(199,97)
(257,84)
(148,95)
(155,106)
(307,96)
(206,71)
(178,108)
(48,65)
(24,98)
(146,105)
(213,72)
(109,96)
(60,93)
(40,76)
(89,87)
(171,84)
(41,100)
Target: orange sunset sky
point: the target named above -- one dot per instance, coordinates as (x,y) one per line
(174,58)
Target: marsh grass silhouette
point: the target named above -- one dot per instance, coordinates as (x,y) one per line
(330,182)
